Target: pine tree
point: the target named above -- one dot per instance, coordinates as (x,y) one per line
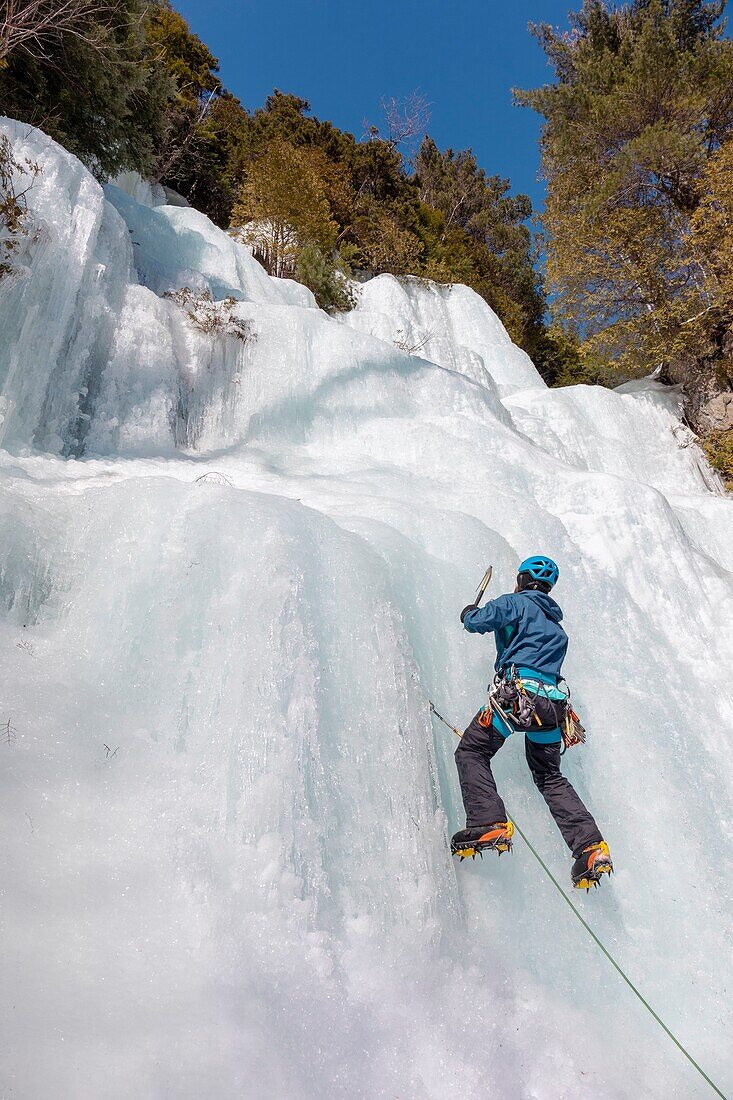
(640,103)
(484,237)
(712,227)
(185,158)
(142,91)
(104,96)
(326,277)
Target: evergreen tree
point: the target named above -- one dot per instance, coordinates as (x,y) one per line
(102,95)
(191,156)
(381,243)
(712,229)
(140,90)
(204,172)
(325,277)
(641,101)
(490,244)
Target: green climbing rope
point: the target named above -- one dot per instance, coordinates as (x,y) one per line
(595,938)
(612,961)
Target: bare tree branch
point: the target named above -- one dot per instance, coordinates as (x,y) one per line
(406,120)
(179,137)
(33,25)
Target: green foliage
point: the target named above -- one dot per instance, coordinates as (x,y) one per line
(712,235)
(382,242)
(640,104)
(286,209)
(392,222)
(455,184)
(203,171)
(142,91)
(483,238)
(191,157)
(188,60)
(566,363)
(103,95)
(326,277)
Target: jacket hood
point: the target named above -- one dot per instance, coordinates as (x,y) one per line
(545,603)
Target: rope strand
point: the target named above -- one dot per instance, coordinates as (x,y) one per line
(595,938)
(613,962)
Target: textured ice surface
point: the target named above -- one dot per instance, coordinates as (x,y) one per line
(449,325)
(147,194)
(624,431)
(225,812)
(178,246)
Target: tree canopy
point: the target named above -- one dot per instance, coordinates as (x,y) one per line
(102,93)
(137,89)
(638,116)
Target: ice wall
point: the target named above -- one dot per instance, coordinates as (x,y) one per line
(230,574)
(449,325)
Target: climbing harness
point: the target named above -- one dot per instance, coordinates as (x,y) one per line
(515,702)
(597,941)
(520,702)
(523,702)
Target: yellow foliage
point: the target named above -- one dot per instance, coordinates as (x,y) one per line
(718,447)
(712,225)
(283,204)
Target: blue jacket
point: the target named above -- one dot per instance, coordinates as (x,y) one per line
(527,631)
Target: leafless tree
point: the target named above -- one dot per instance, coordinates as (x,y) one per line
(215,318)
(32,25)
(405,121)
(403,344)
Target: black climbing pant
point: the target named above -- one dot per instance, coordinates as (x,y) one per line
(484,805)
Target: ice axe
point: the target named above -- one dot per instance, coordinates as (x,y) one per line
(484,585)
(479,596)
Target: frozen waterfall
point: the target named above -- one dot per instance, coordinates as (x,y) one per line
(225,810)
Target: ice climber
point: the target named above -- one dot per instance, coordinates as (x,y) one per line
(530,649)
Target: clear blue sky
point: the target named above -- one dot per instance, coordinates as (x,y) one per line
(343,56)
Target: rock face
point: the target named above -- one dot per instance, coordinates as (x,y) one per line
(708,388)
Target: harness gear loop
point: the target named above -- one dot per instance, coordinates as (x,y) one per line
(573,731)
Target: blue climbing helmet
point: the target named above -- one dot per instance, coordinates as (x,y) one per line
(540,569)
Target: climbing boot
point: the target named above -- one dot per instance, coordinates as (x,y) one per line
(594,861)
(473,842)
